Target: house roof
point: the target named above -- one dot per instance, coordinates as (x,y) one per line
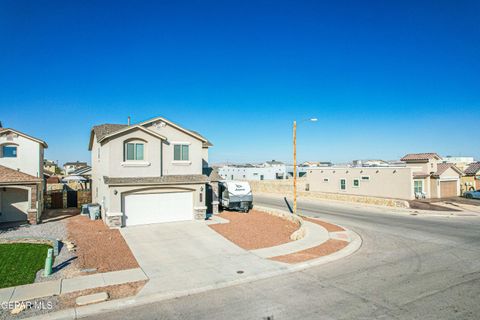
(274,162)
(421,156)
(170,179)
(420,175)
(81,171)
(442,167)
(83,164)
(5,130)
(212,174)
(187,131)
(10,176)
(105,129)
(473,168)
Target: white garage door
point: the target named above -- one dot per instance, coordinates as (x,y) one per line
(14,204)
(158,207)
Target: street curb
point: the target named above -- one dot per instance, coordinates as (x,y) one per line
(118,304)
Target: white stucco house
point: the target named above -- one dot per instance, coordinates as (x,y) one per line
(21,176)
(150,172)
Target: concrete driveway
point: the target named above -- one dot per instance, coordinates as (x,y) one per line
(188,256)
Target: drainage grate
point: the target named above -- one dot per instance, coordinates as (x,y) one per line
(240,271)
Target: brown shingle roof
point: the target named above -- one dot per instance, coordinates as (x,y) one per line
(473,168)
(171,179)
(8,175)
(106,129)
(420,156)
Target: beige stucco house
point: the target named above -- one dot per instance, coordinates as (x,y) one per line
(424,175)
(432,176)
(471,177)
(150,172)
(21,176)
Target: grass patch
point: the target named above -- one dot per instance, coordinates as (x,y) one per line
(19,263)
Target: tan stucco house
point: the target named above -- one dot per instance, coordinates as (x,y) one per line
(21,176)
(433,177)
(471,177)
(422,175)
(150,172)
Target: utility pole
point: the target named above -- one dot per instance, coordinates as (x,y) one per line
(295,161)
(294,167)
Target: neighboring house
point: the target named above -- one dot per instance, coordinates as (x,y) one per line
(461,162)
(252,172)
(422,175)
(51,167)
(274,164)
(471,177)
(311,164)
(370,163)
(432,176)
(69,167)
(21,176)
(85,172)
(150,172)
(384,182)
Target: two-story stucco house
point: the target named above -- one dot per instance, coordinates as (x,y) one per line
(21,176)
(432,176)
(150,172)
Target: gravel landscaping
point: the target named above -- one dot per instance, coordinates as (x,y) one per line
(255,229)
(99,248)
(326,248)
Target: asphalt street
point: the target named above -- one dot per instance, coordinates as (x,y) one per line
(409,267)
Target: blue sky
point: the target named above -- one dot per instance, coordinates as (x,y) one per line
(384,78)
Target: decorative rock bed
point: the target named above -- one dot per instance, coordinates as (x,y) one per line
(299,233)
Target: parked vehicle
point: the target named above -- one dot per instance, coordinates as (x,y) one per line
(472,194)
(236,195)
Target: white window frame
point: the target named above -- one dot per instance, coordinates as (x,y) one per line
(358,183)
(135,143)
(181,144)
(415,187)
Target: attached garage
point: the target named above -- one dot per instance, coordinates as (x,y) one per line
(13,204)
(146,208)
(448,189)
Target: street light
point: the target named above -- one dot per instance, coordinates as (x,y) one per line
(295,161)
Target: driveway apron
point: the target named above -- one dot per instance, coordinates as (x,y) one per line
(182,256)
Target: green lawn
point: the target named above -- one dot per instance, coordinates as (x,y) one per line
(19,262)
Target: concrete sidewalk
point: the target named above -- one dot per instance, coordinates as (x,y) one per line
(57,287)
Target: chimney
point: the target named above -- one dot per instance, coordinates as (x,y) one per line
(128,121)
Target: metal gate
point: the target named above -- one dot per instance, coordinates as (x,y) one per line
(71,199)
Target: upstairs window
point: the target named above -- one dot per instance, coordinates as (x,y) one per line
(134,151)
(180,152)
(9,151)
